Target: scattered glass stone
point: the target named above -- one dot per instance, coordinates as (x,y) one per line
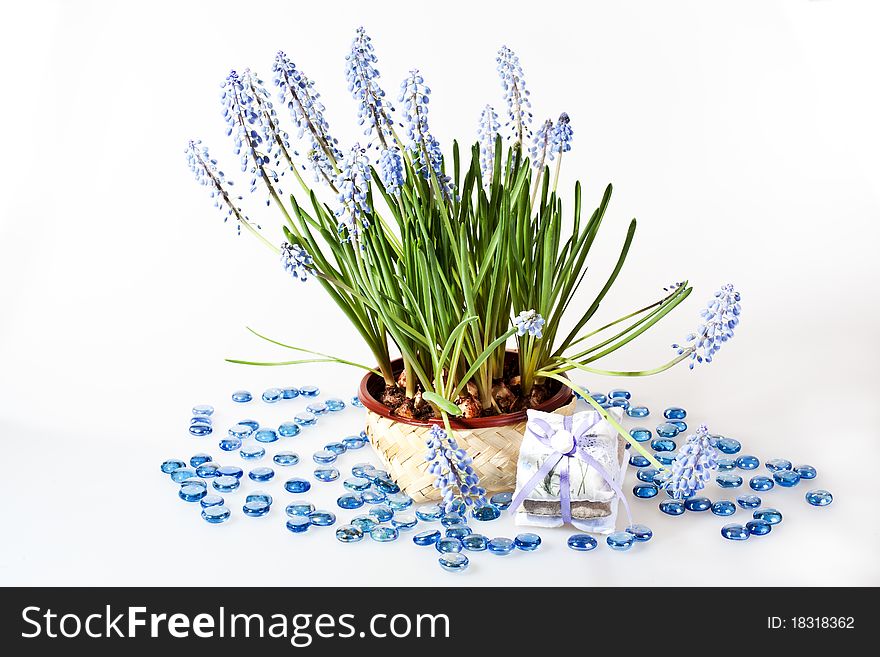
(271,395)
(384,533)
(599,398)
(645,491)
(819,497)
(253,425)
(354,442)
(256,508)
(261,474)
(735,532)
(747,462)
(672,507)
(299,524)
(334,404)
(226,484)
(620,541)
(182,474)
(171,465)
(399,501)
(428,537)
(681,425)
(663,445)
(240,431)
(297,485)
(252,452)
(726,464)
(661,478)
(582,542)
(289,429)
(642,533)
(349,534)
(430,512)
(289,393)
(199,459)
(200,419)
(486,512)
(266,435)
(758,527)
(356,401)
(728,445)
(335,447)
(326,474)
(501,546)
(305,419)
(404,521)
(675,413)
(475,542)
(203,409)
(729,480)
(386,485)
(458,531)
(665,458)
(620,403)
(448,544)
(350,501)
(806,471)
(749,501)
(322,518)
(191,492)
(453,563)
(317,408)
(211,500)
(259,497)
(309,391)
(724,508)
(372,473)
(773,516)
(242,396)
(528,542)
(373,495)
(216,514)
(619,393)
(356,484)
(667,430)
(230,471)
(452,518)
(299,509)
(192,481)
(285,459)
(786,478)
(639,461)
(760,483)
(775,465)
(698,503)
(638,411)
(640,434)
(647,474)
(324,456)
(366,523)
(382,512)
(201,429)
(230,443)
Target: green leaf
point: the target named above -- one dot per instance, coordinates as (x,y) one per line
(442,403)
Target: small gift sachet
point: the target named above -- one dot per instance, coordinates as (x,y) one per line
(570,469)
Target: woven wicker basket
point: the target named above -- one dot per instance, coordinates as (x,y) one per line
(492,442)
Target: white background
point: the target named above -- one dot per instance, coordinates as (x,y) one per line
(743,135)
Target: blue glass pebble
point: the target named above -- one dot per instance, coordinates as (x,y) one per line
(384,533)
(647,474)
(430,512)
(735,532)
(675,413)
(645,491)
(349,534)
(619,393)
(582,542)
(203,409)
(458,531)
(230,443)
(448,544)
(620,541)
(289,393)
(182,474)
(199,459)
(819,497)
(724,508)
(266,435)
(256,508)
(806,471)
(747,462)
(201,429)
(335,447)
(253,425)
(230,471)
(354,442)
(640,434)
(620,403)
(357,484)
(452,518)
(192,481)
(324,456)
(500,546)
(453,563)
(486,512)
(299,509)
(299,524)
(726,464)
(309,391)
(599,398)
(786,478)
(240,431)
(638,411)
(289,429)
(606,406)
(370,472)
(297,485)
(773,516)
(285,459)
(729,480)
(373,495)
(211,500)
(760,483)
(356,401)
(727,445)
(242,396)
(527,542)
(252,452)
(366,523)
(317,408)
(261,474)
(226,484)
(191,492)
(749,501)
(665,458)
(350,501)
(305,419)
(639,461)
(475,542)
(758,527)
(259,496)
(404,521)
(698,503)
(200,419)
(641,533)
(681,425)
(326,474)
(672,507)
(775,465)
(271,395)
(216,514)
(386,485)
(667,430)
(663,445)
(171,465)
(382,512)
(399,501)
(334,404)
(322,518)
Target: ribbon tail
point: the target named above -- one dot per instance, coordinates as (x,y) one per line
(565,491)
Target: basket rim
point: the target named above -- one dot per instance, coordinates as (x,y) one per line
(560,398)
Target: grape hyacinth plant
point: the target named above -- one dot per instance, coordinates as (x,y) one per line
(445,255)
(453,470)
(694,464)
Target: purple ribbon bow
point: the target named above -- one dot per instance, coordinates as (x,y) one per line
(567,445)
